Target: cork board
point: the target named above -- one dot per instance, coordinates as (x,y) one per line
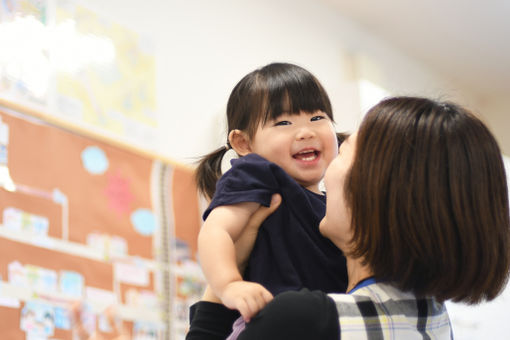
(83,219)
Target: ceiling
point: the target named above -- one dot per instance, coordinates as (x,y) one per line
(466,40)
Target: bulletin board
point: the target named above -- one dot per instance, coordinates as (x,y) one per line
(84,219)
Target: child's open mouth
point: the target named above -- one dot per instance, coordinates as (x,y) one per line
(307,155)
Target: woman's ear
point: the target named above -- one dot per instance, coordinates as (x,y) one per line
(240,142)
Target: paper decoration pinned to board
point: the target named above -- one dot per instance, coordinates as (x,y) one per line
(4,133)
(109,245)
(103,324)
(99,296)
(3,154)
(4,142)
(19,220)
(17,274)
(94,160)
(71,283)
(88,318)
(144,221)
(141,299)
(135,274)
(146,331)
(8,301)
(41,279)
(62,318)
(119,193)
(37,319)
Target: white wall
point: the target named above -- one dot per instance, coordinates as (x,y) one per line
(204,47)
(497,116)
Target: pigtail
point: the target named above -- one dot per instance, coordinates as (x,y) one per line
(209,171)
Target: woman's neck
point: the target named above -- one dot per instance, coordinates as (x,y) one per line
(356,272)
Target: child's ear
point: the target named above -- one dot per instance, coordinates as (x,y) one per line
(240,142)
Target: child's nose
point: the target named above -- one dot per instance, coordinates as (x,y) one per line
(304,133)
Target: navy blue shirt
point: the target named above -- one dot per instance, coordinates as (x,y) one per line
(289,253)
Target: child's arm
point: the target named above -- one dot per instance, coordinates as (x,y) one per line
(218,259)
(245,242)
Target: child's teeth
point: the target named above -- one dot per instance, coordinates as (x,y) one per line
(309,158)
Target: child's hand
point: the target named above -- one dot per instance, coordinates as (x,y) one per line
(247,297)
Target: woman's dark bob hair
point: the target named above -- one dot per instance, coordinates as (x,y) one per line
(429,200)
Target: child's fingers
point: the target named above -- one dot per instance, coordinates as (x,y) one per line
(248,307)
(254,303)
(244,310)
(267,296)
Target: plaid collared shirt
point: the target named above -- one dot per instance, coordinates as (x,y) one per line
(381,311)
(372,311)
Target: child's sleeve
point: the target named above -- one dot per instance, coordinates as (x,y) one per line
(251,179)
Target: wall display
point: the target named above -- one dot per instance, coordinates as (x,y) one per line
(83,220)
(64,59)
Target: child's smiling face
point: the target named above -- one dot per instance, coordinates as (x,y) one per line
(302,144)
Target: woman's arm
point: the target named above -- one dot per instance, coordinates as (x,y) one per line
(302,315)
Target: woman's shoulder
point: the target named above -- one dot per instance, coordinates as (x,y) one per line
(384,306)
(377,294)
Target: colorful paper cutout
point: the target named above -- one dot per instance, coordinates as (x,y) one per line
(108,245)
(145,331)
(144,221)
(71,284)
(94,160)
(37,319)
(119,193)
(41,279)
(100,296)
(62,318)
(135,274)
(19,220)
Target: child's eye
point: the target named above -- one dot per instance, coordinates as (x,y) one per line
(314,118)
(282,122)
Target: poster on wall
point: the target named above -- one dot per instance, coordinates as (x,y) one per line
(89,224)
(64,59)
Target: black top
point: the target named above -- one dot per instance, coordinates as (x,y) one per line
(302,315)
(289,252)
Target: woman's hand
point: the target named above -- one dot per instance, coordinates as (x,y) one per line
(244,244)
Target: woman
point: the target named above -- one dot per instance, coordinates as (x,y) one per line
(417,200)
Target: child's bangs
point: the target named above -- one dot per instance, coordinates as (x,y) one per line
(301,95)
